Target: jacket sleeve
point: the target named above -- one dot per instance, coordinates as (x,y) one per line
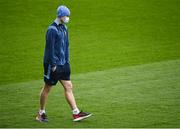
(50,40)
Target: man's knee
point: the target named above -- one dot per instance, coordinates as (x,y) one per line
(47,88)
(68,86)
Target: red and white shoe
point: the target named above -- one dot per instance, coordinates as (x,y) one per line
(81,116)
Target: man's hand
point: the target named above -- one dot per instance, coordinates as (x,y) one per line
(54,68)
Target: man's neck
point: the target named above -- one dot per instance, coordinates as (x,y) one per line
(57,21)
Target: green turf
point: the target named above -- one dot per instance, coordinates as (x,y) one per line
(136,96)
(103,34)
(114,45)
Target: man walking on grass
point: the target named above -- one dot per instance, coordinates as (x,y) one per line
(56,65)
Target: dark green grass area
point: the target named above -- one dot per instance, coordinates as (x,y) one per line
(103,34)
(136,96)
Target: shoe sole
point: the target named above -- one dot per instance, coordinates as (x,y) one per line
(82,118)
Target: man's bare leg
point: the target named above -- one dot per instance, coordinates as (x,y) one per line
(43,98)
(77,115)
(69,93)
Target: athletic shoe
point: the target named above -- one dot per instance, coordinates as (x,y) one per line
(82,115)
(42,118)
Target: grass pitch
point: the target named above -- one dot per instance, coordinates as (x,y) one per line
(138,96)
(124,57)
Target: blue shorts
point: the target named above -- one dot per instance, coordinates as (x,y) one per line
(62,72)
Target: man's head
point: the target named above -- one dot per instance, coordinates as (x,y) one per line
(63,14)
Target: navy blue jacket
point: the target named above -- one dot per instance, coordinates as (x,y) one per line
(57,45)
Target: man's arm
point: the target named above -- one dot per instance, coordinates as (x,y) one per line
(50,39)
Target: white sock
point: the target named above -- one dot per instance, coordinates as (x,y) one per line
(41,111)
(75,111)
